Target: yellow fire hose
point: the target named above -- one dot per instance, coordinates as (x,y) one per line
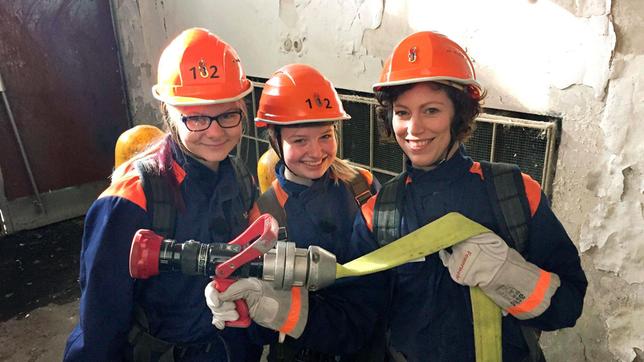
(440,234)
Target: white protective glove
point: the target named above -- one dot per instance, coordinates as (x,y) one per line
(222,312)
(285,311)
(514,284)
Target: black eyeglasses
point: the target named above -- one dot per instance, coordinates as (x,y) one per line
(201,123)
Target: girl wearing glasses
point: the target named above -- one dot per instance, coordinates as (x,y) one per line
(201,86)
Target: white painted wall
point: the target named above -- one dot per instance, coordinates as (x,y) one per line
(581,60)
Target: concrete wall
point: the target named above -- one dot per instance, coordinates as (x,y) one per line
(580,60)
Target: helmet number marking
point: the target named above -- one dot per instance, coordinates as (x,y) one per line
(412,55)
(203,72)
(318,102)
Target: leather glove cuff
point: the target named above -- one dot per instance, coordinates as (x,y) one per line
(297,315)
(285,311)
(521,288)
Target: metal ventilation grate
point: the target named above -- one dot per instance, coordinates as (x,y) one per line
(528,143)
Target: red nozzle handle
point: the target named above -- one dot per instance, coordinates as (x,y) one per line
(144,254)
(240,305)
(258,239)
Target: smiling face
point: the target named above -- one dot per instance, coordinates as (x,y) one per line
(213,144)
(309,151)
(421,123)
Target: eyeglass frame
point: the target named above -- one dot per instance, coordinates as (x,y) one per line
(211,119)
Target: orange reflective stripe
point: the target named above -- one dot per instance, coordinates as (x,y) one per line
(294,312)
(179,172)
(367,211)
(533,301)
(532,191)
(128,187)
(282,196)
(476,168)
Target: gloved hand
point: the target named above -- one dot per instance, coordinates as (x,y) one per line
(514,284)
(285,311)
(222,312)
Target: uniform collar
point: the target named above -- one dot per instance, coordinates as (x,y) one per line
(455,166)
(297,179)
(203,177)
(294,188)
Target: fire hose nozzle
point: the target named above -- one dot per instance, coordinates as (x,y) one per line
(287,266)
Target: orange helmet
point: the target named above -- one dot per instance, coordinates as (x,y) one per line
(298,93)
(198,68)
(428,56)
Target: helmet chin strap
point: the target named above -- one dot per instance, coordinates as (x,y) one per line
(289,174)
(445,154)
(293,177)
(452,141)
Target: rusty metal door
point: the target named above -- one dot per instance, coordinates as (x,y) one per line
(62,109)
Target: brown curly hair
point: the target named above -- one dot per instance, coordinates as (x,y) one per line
(466,108)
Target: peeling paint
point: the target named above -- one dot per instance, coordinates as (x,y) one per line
(370,13)
(287,12)
(623,326)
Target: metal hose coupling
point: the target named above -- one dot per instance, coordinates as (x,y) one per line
(287,266)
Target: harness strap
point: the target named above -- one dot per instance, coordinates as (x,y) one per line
(144,344)
(505,187)
(360,188)
(387,210)
(511,210)
(268,203)
(245,179)
(159,198)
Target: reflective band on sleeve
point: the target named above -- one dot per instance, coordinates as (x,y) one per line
(535,299)
(294,312)
(128,187)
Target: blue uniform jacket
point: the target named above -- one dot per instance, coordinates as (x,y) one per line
(430,316)
(174,304)
(341,316)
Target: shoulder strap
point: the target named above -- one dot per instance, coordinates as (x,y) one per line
(360,187)
(268,203)
(512,212)
(387,210)
(159,198)
(508,200)
(248,188)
